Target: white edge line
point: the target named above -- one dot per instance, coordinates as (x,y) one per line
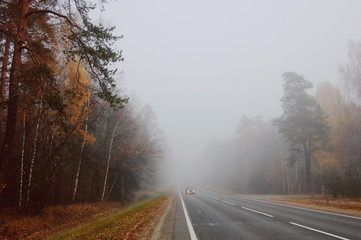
(326,233)
(215,198)
(257,212)
(312,210)
(189,224)
(229,203)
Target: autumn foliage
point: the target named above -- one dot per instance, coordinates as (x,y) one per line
(67,132)
(313,147)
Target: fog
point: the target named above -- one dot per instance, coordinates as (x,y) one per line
(202,65)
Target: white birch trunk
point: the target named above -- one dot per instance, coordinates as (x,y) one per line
(22,166)
(34,154)
(115,180)
(108,161)
(79,164)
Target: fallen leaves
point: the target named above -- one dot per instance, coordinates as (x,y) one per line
(128,224)
(52,220)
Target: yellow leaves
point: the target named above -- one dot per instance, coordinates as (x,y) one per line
(87,137)
(78,76)
(76,90)
(328,160)
(77,85)
(329,98)
(331,101)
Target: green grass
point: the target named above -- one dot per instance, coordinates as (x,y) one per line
(116,224)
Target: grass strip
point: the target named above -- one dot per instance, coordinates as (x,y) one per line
(125,224)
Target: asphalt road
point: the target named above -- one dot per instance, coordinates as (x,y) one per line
(216,216)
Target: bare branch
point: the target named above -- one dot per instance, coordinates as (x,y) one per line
(54,13)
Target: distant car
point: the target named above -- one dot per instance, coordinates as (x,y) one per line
(190,190)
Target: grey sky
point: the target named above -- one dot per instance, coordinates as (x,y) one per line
(203,64)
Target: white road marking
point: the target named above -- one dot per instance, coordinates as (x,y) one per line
(189,224)
(311,210)
(215,198)
(257,212)
(319,231)
(229,203)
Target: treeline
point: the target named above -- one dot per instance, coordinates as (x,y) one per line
(313,147)
(66,132)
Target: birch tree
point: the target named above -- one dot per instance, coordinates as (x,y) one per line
(108,159)
(122,124)
(89,43)
(35,147)
(22,164)
(351,72)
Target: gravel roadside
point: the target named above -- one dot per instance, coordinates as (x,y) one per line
(163,225)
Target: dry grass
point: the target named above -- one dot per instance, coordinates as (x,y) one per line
(341,205)
(129,224)
(53,220)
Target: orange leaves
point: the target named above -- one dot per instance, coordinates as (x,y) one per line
(53,219)
(77,93)
(88,138)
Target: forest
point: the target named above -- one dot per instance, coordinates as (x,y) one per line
(68,132)
(313,147)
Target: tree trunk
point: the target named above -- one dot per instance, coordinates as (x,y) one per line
(283,178)
(22,166)
(288,182)
(7,146)
(4,70)
(108,161)
(4,73)
(79,164)
(307,168)
(122,184)
(34,155)
(115,180)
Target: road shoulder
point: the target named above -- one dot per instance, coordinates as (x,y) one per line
(181,231)
(345,206)
(163,225)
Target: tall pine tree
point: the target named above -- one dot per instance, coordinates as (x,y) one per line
(302,122)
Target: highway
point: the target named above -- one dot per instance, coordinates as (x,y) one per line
(208,215)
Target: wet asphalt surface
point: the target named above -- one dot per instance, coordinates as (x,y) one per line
(217,216)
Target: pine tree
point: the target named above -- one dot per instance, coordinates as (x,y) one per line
(303,121)
(35,29)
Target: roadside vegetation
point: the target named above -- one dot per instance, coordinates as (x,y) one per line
(350,206)
(68,132)
(52,220)
(129,223)
(108,220)
(312,147)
